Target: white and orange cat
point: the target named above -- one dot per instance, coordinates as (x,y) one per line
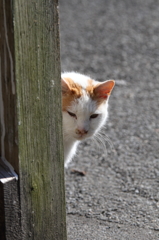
(84,108)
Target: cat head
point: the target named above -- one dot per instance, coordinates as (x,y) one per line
(84,105)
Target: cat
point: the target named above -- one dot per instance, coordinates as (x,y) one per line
(84,109)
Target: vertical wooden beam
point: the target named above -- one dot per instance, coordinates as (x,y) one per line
(8,120)
(33,57)
(10,220)
(10,228)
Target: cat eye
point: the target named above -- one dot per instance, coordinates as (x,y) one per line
(94,115)
(72,114)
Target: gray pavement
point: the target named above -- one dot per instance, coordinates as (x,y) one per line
(118,198)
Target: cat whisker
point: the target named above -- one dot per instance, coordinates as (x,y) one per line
(97,142)
(101,144)
(102,136)
(107,139)
(105,136)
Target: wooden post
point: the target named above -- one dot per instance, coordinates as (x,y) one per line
(10,221)
(30,117)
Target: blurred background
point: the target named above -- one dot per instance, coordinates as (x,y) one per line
(97,36)
(112,39)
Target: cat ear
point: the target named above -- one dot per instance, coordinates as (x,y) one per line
(65,86)
(103,90)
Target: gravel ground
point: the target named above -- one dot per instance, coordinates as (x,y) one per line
(118,198)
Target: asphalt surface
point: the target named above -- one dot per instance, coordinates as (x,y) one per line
(118,198)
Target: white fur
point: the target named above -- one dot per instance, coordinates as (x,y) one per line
(83,107)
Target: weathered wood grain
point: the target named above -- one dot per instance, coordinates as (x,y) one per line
(10,215)
(34,82)
(10,223)
(37,64)
(8,120)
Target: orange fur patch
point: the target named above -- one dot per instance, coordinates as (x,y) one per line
(90,91)
(90,87)
(74,92)
(98,92)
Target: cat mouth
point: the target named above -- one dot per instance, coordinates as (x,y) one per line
(81,137)
(81,134)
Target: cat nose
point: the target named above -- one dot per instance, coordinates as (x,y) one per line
(81,131)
